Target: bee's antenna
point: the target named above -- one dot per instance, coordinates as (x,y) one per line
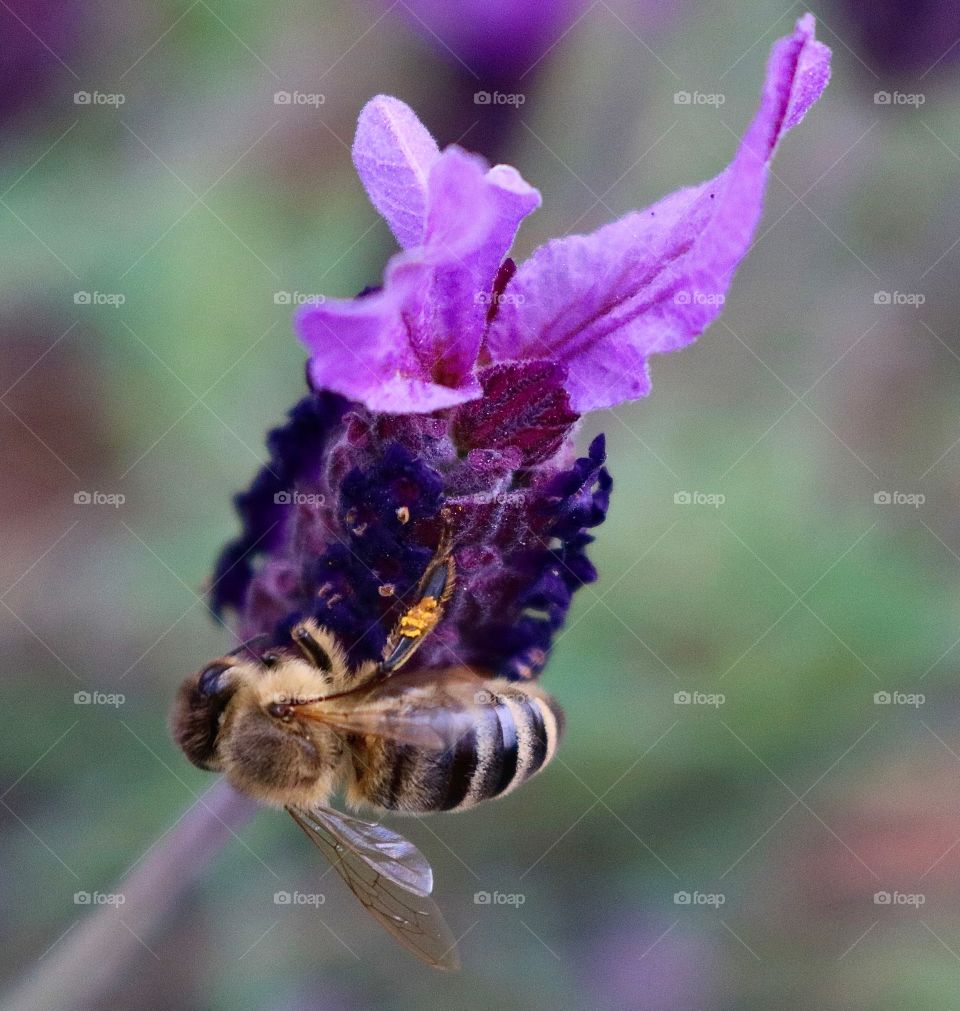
(249,643)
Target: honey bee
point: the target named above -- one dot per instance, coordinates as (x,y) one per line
(298,724)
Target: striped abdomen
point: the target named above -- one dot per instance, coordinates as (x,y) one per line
(513,736)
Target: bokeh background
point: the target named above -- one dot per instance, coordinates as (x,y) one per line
(151,248)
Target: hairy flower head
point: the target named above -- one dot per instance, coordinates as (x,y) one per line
(448,398)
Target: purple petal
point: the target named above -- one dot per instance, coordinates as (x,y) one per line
(411,346)
(653,281)
(360,348)
(473,219)
(393,153)
(524,406)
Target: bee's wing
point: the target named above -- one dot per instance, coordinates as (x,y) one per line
(434,727)
(387,852)
(389,876)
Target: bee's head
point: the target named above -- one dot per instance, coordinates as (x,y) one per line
(241,718)
(199,708)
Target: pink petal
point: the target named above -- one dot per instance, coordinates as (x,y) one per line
(652,282)
(472,221)
(393,153)
(360,348)
(411,347)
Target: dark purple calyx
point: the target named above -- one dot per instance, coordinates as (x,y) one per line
(344,519)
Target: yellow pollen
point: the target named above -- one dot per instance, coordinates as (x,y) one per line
(420,618)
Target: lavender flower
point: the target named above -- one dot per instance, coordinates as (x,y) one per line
(502,42)
(449,396)
(903,38)
(39,37)
(481,49)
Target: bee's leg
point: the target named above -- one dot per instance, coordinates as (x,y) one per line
(312,650)
(364,675)
(417,622)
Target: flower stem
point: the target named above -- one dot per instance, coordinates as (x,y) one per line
(89,961)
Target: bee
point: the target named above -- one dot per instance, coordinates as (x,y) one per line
(297,724)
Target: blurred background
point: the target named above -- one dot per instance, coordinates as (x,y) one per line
(758,800)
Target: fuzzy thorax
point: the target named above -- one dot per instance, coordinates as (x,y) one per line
(268,752)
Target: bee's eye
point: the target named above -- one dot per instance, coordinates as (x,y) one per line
(209,683)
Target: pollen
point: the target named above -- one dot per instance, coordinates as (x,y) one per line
(420,618)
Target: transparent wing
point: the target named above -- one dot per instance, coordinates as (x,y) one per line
(388,853)
(434,728)
(428,709)
(380,868)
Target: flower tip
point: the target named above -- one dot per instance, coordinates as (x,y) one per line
(393,153)
(386,113)
(806,25)
(507,178)
(383,101)
(382,107)
(598,449)
(302,313)
(811,74)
